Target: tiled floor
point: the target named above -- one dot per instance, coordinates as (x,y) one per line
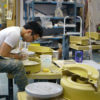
(3,79)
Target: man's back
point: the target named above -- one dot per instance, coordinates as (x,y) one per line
(10,35)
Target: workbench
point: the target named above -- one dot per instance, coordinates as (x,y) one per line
(87,47)
(54,74)
(24,96)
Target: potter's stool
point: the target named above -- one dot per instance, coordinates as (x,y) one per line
(10,88)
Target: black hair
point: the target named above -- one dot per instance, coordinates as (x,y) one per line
(35,27)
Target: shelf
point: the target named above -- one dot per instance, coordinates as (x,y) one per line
(64,3)
(55,27)
(55,18)
(61,27)
(52,2)
(52,37)
(70,25)
(73,33)
(51,18)
(60,36)
(67,25)
(48,11)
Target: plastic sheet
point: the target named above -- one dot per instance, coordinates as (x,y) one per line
(58,11)
(46,22)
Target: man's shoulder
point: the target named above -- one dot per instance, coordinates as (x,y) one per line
(13,28)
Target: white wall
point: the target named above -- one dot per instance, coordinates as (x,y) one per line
(94,14)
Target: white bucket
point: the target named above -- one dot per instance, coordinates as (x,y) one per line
(46,61)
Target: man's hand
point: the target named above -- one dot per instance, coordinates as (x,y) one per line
(5,50)
(23,56)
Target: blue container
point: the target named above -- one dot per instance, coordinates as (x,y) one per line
(78,56)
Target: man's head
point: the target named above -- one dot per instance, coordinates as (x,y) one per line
(31,31)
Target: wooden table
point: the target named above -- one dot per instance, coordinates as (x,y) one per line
(55,73)
(24,96)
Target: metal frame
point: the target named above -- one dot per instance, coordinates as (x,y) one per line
(10,90)
(65,50)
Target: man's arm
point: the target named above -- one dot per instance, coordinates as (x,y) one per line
(5,50)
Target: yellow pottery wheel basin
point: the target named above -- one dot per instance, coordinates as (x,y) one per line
(83,70)
(29,63)
(31,66)
(80,90)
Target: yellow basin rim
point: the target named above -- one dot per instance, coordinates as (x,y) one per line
(83,70)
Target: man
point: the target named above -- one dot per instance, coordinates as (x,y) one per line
(9,39)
